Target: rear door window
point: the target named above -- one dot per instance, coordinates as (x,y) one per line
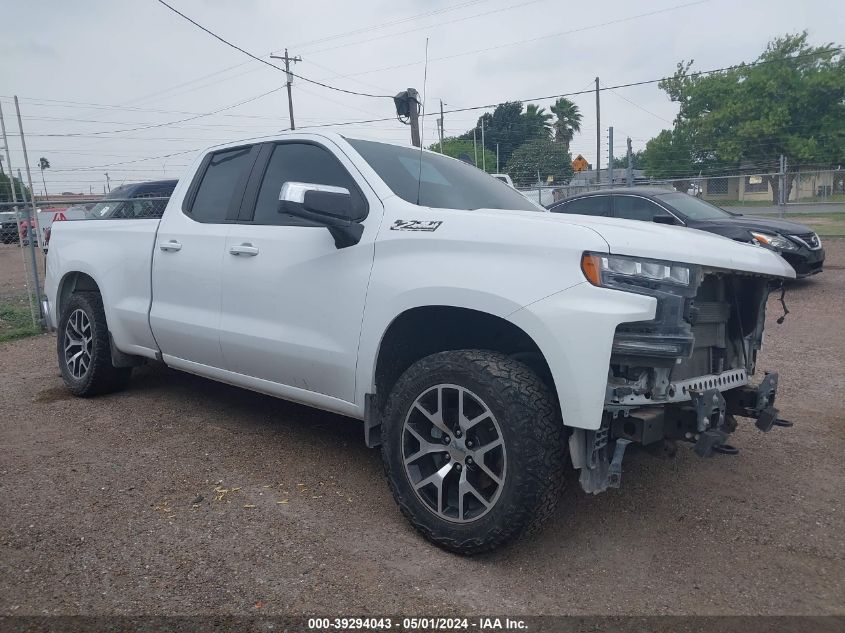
(219,193)
(589,205)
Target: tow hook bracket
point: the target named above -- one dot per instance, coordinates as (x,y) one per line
(766,391)
(766,419)
(709,441)
(710,408)
(614,479)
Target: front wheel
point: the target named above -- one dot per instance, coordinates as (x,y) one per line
(84,348)
(473,449)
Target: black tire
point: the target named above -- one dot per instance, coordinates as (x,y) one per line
(533,440)
(99,376)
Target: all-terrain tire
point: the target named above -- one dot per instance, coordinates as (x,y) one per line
(99,375)
(533,439)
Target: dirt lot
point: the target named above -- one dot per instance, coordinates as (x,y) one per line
(185,496)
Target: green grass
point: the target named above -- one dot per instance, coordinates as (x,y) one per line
(825,224)
(16,320)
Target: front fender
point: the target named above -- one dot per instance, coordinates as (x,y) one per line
(574,330)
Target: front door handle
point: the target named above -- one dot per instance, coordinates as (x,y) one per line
(247,250)
(172,245)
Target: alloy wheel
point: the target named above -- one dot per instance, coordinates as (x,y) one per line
(454,453)
(78,343)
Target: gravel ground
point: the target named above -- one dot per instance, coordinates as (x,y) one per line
(183,496)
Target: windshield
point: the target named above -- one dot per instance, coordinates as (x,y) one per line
(439,181)
(693,208)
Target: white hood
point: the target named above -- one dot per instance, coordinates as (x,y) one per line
(673,243)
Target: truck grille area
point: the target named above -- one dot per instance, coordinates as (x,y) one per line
(724,320)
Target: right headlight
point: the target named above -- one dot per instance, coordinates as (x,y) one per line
(607,270)
(774,240)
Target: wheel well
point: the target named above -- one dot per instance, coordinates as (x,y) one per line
(74,282)
(419,332)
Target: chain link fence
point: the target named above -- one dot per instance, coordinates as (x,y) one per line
(818,190)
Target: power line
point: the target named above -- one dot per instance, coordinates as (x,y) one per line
(265,62)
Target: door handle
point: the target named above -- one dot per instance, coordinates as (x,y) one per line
(172,245)
(247,250)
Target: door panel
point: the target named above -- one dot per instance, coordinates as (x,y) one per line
(188,259)
(185,313)
(292,302)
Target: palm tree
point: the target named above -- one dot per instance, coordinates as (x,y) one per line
(43,163)
(568,121)
(537,122)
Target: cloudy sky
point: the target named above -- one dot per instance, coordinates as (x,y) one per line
(89,73)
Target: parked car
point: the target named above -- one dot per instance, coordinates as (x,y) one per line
(8,228)
(796,243)
(483,341)
(136,200)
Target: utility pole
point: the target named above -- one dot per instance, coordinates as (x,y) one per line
(17,211)
(483,149)
(598,134)
(475,145)
(287,59)
(497,159)
(440,123)
(414,116)
(108,183)
(31,189)
(610,155)
(630,175)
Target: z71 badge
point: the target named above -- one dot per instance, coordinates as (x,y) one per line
(416,225)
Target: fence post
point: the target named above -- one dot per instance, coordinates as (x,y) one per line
(32,260)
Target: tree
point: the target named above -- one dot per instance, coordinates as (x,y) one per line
(6,189)
(465,150)
(503,127)
(670,156)
(542,156)
(788,103)
(567,122)
(637,158)
(537,122)
(43,163)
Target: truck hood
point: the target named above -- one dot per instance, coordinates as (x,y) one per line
(751,223)
(673,243)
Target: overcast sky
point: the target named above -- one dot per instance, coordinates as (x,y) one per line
(102,66)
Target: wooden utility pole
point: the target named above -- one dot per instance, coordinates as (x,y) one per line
(414,116)
(598,134)
(287,59)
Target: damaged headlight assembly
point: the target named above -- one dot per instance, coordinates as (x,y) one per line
(667,336)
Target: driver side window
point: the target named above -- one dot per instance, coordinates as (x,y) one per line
(301,162)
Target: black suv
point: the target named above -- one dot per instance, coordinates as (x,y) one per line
(796,243)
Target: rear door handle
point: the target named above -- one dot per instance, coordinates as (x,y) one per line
(247,250)
(172,245)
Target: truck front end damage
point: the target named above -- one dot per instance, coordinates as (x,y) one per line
(684,375)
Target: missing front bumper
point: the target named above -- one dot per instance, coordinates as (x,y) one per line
(705,420)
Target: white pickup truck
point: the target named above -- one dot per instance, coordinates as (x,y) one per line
(483,341)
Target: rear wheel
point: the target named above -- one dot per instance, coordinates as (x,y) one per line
(84,348)
(473,449)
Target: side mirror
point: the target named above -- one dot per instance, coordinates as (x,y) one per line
(323,204)
(665,219)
